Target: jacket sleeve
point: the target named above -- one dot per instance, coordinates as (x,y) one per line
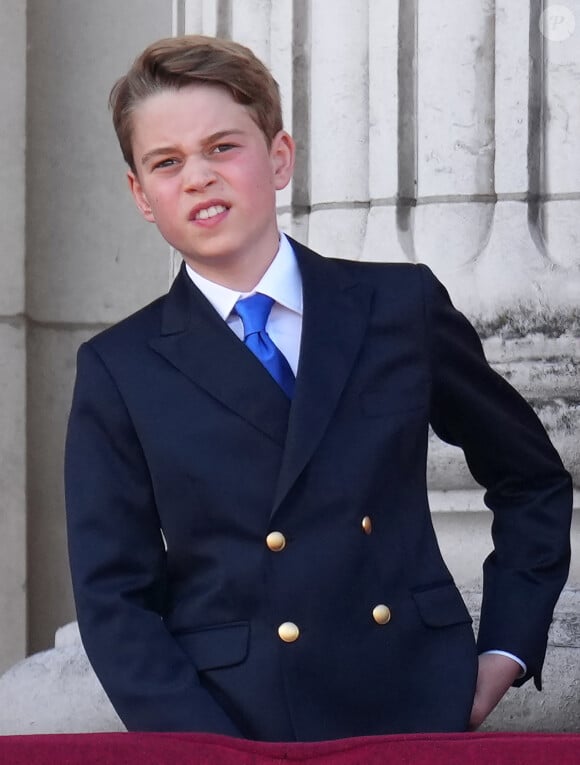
(118,566)
(527,488)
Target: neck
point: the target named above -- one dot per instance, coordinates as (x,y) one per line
(241,274)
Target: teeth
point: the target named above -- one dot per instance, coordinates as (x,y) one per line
(210,212)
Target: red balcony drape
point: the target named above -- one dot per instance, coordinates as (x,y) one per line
(205,749)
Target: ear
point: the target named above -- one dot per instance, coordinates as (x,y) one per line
(140,197)
(283,155)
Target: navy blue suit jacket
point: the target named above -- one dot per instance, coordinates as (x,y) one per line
(183,454)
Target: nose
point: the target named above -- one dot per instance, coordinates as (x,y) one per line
(198,174)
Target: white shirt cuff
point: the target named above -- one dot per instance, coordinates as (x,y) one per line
(515,658)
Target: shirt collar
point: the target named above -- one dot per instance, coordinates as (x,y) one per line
(282,282)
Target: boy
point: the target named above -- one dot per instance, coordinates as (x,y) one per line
(250,540)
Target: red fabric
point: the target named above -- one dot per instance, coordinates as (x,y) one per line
(206,749)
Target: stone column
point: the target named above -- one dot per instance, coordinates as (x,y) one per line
(91,258)
(12,336)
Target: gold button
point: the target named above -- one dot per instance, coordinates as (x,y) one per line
(276,541)
(288,632)
(382,614)
(367,525)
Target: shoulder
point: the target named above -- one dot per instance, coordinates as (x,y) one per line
(127,339)
(399,278)
(384,272)
(141,324)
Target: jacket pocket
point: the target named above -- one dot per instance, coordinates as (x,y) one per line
(441,606)
(221,645)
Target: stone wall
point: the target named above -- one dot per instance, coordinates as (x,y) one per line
(447,133)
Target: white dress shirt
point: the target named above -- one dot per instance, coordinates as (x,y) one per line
(283,283)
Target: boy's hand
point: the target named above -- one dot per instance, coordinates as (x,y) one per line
(495,675)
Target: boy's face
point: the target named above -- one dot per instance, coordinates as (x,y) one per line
(206,177)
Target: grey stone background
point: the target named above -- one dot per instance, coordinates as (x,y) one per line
(444,132)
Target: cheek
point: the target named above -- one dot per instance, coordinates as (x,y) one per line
(256,177)
(162,199)
(262,187)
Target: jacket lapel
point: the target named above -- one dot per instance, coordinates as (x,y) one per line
(335,319)
(195,340)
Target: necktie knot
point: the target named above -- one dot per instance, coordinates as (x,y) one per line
(254,312)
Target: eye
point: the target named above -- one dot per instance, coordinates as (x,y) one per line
(169,162)
(221,148)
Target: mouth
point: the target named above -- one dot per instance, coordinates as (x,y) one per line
(206,213)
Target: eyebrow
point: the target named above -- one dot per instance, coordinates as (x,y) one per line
(163,150)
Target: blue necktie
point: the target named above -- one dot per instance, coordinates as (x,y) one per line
(254,312)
